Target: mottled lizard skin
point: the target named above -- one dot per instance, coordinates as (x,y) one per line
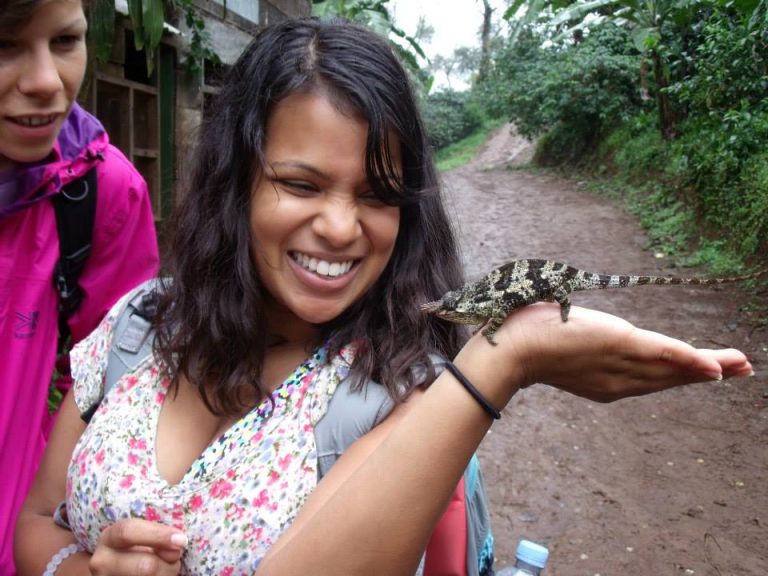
(522,282)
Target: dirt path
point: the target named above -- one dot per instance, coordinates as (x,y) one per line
(674,483)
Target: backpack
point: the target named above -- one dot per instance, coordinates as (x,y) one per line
(75,208)
(463,536)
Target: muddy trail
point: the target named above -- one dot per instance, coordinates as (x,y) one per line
(672,483)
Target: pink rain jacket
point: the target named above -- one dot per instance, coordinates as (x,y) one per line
(124,254)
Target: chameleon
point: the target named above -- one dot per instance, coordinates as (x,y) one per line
(522,282)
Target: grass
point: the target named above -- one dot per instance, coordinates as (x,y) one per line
(463,151)
(673,229)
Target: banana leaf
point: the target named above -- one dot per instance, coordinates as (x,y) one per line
(102,27)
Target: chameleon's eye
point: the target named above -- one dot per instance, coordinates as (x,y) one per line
(450,300)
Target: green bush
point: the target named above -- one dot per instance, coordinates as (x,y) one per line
(576,95)
(450,116)
(751,218)
(515,64)
(723,165)
(728,65)
(713,177)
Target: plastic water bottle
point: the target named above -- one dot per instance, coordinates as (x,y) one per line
(530,559)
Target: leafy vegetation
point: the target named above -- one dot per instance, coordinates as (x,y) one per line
(148,18)
(578,97)
(664,103)
(451,116)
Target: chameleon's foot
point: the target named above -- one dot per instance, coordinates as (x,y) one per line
(562,296)
(490,330)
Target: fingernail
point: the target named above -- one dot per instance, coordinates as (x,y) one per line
(179,539)
(715,375)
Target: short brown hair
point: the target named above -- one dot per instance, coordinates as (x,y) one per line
(16,12)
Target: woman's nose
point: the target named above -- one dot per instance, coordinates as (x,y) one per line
(40,75)
(338,222)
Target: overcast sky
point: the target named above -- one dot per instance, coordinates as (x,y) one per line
(456,22)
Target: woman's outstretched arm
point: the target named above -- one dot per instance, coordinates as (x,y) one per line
(379,518)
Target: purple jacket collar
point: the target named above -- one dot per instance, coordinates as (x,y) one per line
(80,142)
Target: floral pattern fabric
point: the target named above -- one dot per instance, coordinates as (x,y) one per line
(238,496)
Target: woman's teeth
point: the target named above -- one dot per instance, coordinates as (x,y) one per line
(323,267)
(34,121)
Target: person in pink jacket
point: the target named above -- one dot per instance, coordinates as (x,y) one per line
(47,141)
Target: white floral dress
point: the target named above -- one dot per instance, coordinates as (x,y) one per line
(240,494)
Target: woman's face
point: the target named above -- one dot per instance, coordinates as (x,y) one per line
(321,239)
(41,68)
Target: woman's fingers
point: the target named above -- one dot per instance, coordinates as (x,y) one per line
(142,562)
(663,356)
(605,358)
(137,532)
(644,345)
(733,362)
(141,547)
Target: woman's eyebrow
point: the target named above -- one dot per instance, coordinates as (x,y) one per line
(297,164)
(77,24)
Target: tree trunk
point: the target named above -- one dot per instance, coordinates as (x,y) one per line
(667,122)
(485,43)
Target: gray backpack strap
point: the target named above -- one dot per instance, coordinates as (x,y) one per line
(349,416)
(480,544)
(353,413)
(132,338)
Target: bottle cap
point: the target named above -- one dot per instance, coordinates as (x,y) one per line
(532,553)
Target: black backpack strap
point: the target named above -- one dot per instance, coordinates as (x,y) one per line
(75,208)
(132,340)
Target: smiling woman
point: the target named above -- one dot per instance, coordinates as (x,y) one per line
(42,64)
(313,214)
(311,227)
(311,230)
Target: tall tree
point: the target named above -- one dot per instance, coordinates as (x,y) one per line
(485,42)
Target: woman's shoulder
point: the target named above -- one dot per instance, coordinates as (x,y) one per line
(123,208)
(356,408)
(90,357)
(118,175)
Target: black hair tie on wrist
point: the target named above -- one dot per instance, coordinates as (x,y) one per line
(489,409)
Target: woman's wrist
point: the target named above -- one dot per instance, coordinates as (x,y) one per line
(497,372)
(59,557)
(472,390)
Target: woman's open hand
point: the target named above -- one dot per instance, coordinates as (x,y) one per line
(601,357)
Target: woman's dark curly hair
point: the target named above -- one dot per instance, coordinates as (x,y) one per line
(212,321)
